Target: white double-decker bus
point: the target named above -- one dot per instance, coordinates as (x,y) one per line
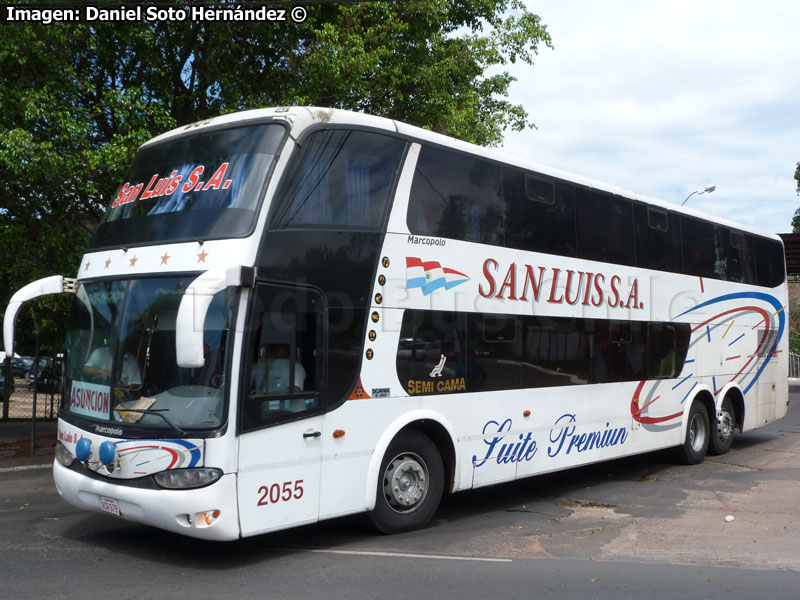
(293,314)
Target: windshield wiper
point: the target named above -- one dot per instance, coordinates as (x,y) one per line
(158,412)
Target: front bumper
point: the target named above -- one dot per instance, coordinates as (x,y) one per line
(173,510)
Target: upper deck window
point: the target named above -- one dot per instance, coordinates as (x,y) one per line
(469,198)
(605,227)
(457,196)
(770,262)
(657,237)
(701,244)
(200,186)
(339,179)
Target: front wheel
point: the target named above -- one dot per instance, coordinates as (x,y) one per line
(695,445)
(722,429)
(410,485)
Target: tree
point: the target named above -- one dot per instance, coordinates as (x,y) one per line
(797,179)
(76,99)
(57,161)
(796,218)
(794,289)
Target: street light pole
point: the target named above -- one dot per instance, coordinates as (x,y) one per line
(706,190)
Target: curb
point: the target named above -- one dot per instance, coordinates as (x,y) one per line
(18,468)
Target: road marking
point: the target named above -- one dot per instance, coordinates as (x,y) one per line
(26,468)
(406,555)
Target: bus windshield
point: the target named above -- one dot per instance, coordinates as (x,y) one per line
(120,356)
(195,187)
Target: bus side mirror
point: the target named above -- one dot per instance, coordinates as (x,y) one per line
(190,321)
(55,284)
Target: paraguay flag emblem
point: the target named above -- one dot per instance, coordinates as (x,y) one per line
(430,275)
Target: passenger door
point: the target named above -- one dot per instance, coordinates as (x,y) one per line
(280,410)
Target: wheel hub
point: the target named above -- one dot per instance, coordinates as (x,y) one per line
(697,433)
(725,425)
(405,482)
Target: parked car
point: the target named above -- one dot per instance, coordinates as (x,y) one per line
(3,385)
(49,374)
(21,365)
(45,365)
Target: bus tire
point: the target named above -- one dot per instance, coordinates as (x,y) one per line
(410,484)
(695,445)
(722,429)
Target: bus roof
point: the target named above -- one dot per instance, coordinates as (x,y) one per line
(300,118)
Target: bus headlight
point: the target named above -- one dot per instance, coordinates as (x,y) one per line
(64,456)
(181,479)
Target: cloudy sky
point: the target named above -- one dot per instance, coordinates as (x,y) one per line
(665,97)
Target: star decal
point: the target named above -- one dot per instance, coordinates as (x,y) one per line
(108,262)
(133,261)
(164,258)
(201,258)
(86,268)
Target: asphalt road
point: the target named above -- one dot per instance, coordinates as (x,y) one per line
(634,527)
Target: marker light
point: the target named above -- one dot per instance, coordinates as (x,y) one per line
(63,455)
(181,479)
(205,519)
(83,449)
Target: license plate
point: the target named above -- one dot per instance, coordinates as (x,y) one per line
(109,505)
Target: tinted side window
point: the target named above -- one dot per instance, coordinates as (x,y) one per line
(737,256)
(540,214)
(432,356)
(770,262)
(494,350)
(667,344)
(557,351)
(284,361)
(605,227)
(700,248)
(619,351)
(339,178)
(446,352)
(658,239)
(345,341)
(457,196)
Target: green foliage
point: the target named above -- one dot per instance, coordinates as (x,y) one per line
(796,218)
(797,176)
(794,314)
(76,99)
(794,284)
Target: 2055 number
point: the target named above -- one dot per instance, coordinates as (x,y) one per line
(277,492)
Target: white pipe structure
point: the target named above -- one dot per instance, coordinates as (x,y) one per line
(192,311)
(56,284)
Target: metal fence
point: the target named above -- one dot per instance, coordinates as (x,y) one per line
(794,365)
(27,401)
(28,416)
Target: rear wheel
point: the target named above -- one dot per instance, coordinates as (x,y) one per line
(695,445)
(722,429)
(410,486)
